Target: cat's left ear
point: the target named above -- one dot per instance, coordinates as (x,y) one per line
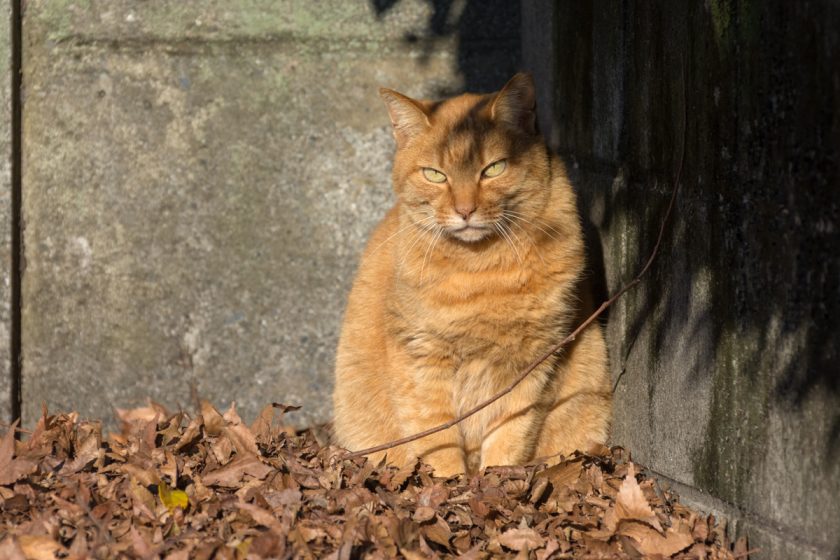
(407,115)
(515,104)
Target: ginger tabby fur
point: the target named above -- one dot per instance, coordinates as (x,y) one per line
(462,284)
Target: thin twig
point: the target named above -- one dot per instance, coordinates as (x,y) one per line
(571,337)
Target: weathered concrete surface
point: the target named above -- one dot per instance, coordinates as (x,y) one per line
(200,178)
(5,212)
(726,357)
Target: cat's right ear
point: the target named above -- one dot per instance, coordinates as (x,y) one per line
(407,115)
(516,104)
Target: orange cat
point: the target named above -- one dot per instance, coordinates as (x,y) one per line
(471,275)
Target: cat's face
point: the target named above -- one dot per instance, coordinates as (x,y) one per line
(466,166)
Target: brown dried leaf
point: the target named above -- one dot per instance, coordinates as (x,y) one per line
(423,514)
(88,447)
(172,429)
(438,532)
(10,549)
(475,553)
(312,503)
(631,504)
(401,476)
(143,500)
(433,496)
(262,516)
(239,434)
(521,539)
(139,544)
(169,466)
(563,474)
(222,449)
(144,476)
(191,434)
(311,532)
(551,546)
(261,428)
(650,542)
(538,490)
(231,474)
(40,547)
(213,421)
(12,470)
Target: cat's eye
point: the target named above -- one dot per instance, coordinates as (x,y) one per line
(495,169)
(433,175)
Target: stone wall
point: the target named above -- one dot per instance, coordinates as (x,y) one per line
(725,358)
(200,178)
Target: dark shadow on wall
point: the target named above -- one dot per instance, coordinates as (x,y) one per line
(744,299)
(745,296)
(487,34)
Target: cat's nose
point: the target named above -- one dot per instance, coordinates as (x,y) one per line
(465,209)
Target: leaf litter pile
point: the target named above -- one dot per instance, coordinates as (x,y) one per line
(203,486)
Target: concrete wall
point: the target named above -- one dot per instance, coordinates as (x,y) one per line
(199,179)
(725,359)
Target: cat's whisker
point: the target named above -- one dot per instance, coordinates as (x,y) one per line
(432,243)
(504,235)
(421,231)
(513,221)
(535,224)
(512,233)
(393,235)
(515,241)
(418,236)
(545,224)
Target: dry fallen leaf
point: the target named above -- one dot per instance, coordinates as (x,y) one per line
(239,434)
(261,516)
(521,539)
(631,504)
(438,531)
(563,474)
(88,447)
(12,470)
(39,547)
(209,486)
(232,474)
(648,541)
(423,513)
(10,549)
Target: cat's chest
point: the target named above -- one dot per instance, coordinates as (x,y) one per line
(488,306)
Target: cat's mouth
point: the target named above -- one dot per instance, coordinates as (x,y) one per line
(470,233)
